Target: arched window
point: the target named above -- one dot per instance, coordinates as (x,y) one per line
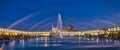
(115,29)
(112,29)
(109,29)
(118,28)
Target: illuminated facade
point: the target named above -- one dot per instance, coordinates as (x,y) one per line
(54,32)
(94,32)
(17,32)
(114,28)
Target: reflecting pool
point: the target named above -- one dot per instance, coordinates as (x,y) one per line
(67,43)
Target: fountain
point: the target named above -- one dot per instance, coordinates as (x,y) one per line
(108,22)
(105,24)
(22,19)
(59,26)
(38,23)
(44,26)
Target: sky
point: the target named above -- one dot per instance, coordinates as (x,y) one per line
(82,14)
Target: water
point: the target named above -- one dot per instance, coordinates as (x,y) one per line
(105,24)
(59,26)
(39,23)
(68,43)
(21,20)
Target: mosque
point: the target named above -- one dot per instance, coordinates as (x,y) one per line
(67,32)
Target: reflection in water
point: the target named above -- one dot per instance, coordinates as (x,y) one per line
(92,39)
(45,45)
(54,44)
(72,42)
(12,44)
(107,40)
(22,43)
(46,42)
(37,41)
(97,40)
(79,39)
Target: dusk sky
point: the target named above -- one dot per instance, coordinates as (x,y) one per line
(82,14)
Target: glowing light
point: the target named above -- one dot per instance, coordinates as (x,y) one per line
(15,34)
(45,45)
(6,33)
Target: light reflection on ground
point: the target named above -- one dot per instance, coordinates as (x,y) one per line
(56,43)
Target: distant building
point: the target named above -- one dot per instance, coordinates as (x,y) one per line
(69,31)
(94,32)
(70,28)
(113,29)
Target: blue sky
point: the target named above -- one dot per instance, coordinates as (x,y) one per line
(76,12)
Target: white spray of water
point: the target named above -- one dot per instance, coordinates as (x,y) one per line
(59,26)
(48,24)
(43,27)
(39,23)
(22,19)
(88,24)
(108,22)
